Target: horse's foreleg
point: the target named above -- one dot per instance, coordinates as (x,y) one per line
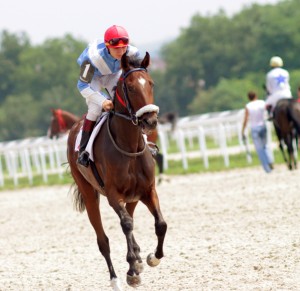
(130,207)
(133,250)
(152,203)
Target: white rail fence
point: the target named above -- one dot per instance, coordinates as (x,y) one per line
(220,126)
(43,156)
(30,157)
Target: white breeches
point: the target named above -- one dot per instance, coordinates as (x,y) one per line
(94,109)
(273,99)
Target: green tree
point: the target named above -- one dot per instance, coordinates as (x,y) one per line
(11,46)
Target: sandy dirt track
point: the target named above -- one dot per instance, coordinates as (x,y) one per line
(237,230)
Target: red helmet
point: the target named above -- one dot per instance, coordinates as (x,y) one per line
(116,36)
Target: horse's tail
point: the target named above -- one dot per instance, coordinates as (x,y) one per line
(77,198)
(294,115)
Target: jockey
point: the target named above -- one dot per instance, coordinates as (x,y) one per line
(99,74)
(277,84)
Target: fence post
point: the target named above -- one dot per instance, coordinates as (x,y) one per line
(163,147)
(202,143)
(183,149)
(1,172)
(223,144)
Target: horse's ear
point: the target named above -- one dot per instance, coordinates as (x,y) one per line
(124,63)
(146,61)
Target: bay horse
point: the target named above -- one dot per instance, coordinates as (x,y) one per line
(61,122)
(286,121)
(123,169)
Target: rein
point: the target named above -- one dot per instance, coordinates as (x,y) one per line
(118,148)
(133,117)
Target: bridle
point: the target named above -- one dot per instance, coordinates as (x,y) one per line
(134,117)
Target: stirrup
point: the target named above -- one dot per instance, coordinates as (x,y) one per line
(84,159)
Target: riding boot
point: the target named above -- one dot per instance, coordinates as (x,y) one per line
(270,113)
(83,158)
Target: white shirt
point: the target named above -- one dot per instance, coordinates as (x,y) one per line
(256,110)
(278,86)
(278,83)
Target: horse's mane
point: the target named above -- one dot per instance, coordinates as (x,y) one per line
(72,115)
(67,114)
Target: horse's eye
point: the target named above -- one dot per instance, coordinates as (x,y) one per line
(151,83)
(130,88)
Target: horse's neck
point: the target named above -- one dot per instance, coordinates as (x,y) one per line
(127,134)
(70,120)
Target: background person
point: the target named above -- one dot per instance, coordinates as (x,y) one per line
(254,113)
(277,84)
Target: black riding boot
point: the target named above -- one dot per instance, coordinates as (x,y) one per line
(83,158)
(270,113)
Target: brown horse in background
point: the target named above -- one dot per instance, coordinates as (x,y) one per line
(123,169)
(286,120)
(61,122)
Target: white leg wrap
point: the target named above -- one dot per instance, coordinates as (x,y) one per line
(116,284)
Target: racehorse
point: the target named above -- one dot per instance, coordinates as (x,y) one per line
(286,120)
(123,169)
(61,122)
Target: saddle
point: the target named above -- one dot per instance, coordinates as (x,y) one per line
(154,149)
(96,130)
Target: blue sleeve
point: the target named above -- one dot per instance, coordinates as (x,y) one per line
(82,57)
(82,85)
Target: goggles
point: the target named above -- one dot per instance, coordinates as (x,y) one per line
(118,41)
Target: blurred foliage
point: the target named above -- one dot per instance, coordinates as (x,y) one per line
(210,66)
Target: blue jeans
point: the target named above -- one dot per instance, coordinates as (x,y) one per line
(259,137)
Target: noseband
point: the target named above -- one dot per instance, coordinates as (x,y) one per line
(134,117)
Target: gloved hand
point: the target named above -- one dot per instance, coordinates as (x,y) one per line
(107,105)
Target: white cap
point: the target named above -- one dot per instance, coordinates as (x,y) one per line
(276,62)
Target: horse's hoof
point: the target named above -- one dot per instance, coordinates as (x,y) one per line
(139,267)
(134,281)
(152,261)
(116,284)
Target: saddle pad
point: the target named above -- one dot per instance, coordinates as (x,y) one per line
(89,147)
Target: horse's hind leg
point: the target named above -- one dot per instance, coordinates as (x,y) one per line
(160,161)
(281,146)
(91,201)
(290,149)
(159,158)
(152,203)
